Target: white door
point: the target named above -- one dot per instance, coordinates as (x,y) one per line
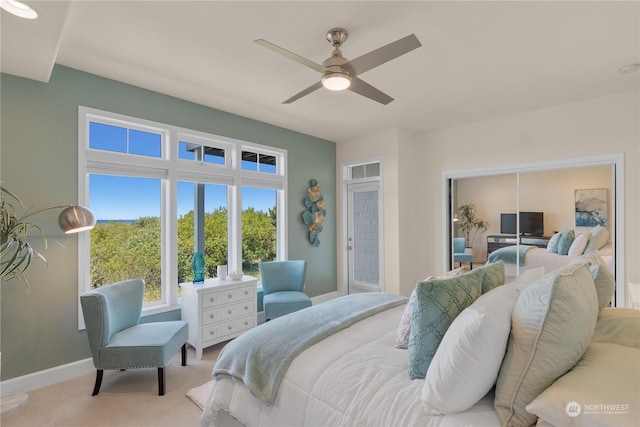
(363,237)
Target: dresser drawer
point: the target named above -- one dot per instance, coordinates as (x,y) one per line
(212,315)
(246,322)
(217,330)
(245,292)
(213,299)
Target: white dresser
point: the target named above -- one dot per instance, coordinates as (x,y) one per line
(218,310)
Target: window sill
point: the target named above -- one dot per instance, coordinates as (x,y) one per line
(157,309)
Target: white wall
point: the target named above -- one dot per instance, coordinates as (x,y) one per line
(595,127)
(381,144)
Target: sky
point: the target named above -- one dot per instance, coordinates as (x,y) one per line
(127,198)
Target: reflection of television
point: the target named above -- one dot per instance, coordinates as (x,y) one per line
(531,223)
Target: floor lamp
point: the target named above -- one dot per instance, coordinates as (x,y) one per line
(72,219)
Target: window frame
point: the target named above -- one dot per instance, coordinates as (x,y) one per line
(170,169)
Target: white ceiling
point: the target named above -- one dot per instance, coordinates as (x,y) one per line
(478,59)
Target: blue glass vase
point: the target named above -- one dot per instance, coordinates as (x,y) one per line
(197,264)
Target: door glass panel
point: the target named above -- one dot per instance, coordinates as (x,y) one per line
(365,237)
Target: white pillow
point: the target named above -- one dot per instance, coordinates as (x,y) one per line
(602,389)
(579,244)
(552,246)
(599,238)
(527,277)
(468,359)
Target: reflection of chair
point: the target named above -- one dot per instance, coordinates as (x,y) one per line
(283,286)
(458,252)
(117,340)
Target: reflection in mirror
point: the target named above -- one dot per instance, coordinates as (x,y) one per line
(525,209)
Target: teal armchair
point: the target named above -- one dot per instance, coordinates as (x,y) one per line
(458,252)
(283,286)
(118,340)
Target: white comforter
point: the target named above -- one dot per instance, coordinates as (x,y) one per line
(353,378)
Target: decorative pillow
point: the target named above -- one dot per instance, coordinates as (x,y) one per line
(494,276)
(619,326)
(601,390)
(438,303)
(565,242)
(527,277)
(402,335)
(455,272)
(599,238)
(603,278)
(578,244)
(551,326)
(468,359)
(552,246)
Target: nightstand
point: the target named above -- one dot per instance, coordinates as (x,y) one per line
(218,310)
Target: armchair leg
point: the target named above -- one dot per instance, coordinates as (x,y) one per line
(184,354)
(160,381)
(96,388)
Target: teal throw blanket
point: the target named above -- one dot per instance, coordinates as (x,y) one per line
(261,356)
(509,254)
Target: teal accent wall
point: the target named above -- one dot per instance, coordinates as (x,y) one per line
(39,162)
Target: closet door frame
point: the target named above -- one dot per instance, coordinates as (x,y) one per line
(616,161)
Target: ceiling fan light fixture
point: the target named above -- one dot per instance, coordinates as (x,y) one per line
(336,81)
(17,8)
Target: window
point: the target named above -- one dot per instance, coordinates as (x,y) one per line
(161,192)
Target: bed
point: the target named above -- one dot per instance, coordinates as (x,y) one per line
(355,375)
(563,249)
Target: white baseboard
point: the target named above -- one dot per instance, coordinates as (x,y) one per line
(47,377)
(325,297)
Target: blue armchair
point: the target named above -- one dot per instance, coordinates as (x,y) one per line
(458,252)
(283,286)
(116,338)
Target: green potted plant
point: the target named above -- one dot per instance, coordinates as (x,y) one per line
(470,224)
(16,253)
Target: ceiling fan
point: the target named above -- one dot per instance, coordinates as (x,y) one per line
(339,73)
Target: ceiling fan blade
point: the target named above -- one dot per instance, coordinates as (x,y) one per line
(307,91)
(297,58)
(384,54)
(365,89)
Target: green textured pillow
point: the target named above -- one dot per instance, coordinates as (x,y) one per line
(603,278)
(551,326)
(619,326)
(494,276)
(437,304)
(565,242)
(599,238)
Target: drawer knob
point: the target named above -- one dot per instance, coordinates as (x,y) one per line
(229,295)
(211,299)
(246,308)
(229,327)
(229,311)
(246,323)
(246,292)
(211,316)
(212,333)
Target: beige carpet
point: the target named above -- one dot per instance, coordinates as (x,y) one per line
(127,398)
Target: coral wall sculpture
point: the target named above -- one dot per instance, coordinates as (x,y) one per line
(313,216)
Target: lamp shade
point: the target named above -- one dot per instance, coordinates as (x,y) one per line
(17,8)
(74,219)
(336,81)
